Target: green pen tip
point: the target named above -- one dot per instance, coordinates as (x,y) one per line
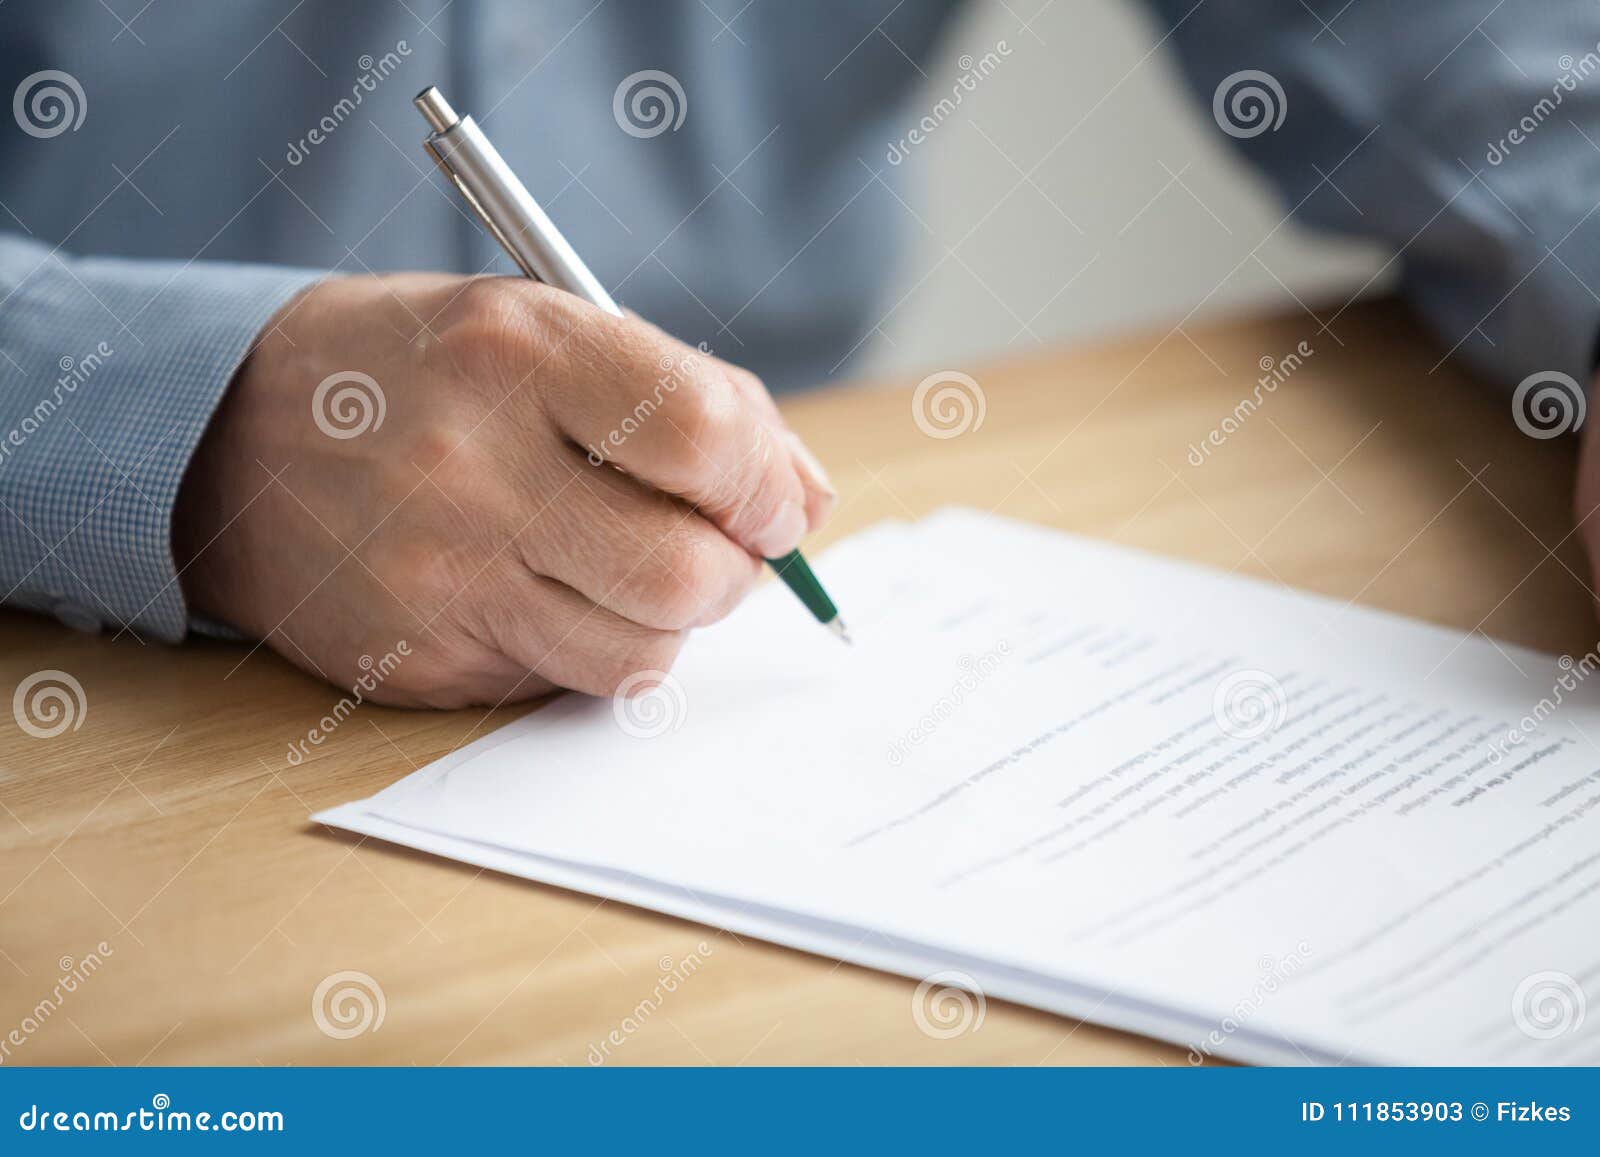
(838,628)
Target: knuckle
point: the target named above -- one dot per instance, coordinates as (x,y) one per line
(469,480)
(488,323)
(771,467)
(421,572)
(768,483)
(746,380)
(443,462)
(703,413)
(688,582)
(482,299)
(433,443)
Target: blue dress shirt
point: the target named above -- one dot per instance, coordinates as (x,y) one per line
(171,173)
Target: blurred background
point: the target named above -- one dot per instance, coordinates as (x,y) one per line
(1083,146)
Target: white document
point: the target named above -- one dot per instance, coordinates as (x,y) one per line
(1258,823)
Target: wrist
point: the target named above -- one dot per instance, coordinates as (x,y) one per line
(222,481)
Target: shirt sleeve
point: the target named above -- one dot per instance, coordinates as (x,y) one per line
(109,372)
(1464,133)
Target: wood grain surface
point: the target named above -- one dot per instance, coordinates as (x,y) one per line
(169,827)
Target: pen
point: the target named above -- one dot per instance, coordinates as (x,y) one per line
(511,215)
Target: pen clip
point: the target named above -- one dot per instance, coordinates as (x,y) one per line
(488,222)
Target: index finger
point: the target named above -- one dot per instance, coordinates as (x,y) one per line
(676,419)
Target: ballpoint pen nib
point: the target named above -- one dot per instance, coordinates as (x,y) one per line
(837,626)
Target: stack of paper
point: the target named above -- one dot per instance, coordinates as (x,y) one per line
(1258,823)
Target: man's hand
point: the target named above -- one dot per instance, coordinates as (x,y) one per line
(479,518)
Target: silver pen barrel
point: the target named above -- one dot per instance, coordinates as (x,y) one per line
(504,204)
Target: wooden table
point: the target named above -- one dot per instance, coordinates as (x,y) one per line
(170,826)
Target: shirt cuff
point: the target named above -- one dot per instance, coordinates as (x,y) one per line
(122,365)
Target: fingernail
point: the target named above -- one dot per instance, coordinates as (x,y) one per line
(810,469)
(783,533)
